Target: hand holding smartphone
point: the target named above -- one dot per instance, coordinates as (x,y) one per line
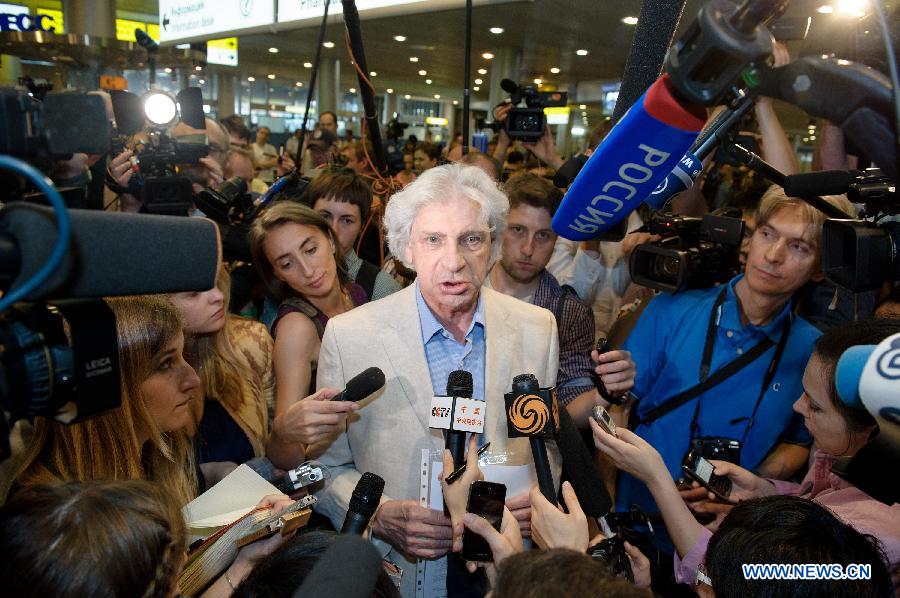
(701,471)
(604,420)
(486,499)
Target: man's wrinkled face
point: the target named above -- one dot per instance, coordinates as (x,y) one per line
(450,248)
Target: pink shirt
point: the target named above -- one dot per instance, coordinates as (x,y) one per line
(848,503)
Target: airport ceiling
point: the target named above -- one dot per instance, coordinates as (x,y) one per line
(548,33)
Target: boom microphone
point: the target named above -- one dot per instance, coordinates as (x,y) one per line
(362,385)
(636,156)
(363,503)
(459,384)
(110,253)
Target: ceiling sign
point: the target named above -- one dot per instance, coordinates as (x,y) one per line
(296,12)
(222,51)
(181,20)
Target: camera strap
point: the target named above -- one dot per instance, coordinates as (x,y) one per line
(728,370)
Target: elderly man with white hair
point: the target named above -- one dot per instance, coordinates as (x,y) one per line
(448,227)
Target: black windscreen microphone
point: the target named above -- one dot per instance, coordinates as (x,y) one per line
(362,385)
(110,253)
(363,503)
(459,384)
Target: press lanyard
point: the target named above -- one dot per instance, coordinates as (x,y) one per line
(708,347)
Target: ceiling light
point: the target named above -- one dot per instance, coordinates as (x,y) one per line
(437,96)
(496,30)
(487,55)
(202,81)
(328,44)
(581,52)
(825,9)
(273,50)
(555,70)
(198,68)
(482,71)
(806,140)
(251,79)
(373,74)
(399,38)
(478,81)
(455,102)
(423,72)
(812,137)
(538,81)
(307,65)
(352,90)
(167,70)
(577,131)
(299,84)
(427,81)
(852,8)
(582,106)
(407,97)
(389,90)
(414,59)
(476,88)
(629,20)
(270,76)
(183,47)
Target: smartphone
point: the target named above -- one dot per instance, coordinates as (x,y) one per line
(701,471)
(486,499)
(604,420)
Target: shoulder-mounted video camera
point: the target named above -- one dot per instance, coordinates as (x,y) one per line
(527,123)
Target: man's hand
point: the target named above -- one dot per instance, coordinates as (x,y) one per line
(456,495)
(616,369)
(503,544)
(545,149)
(415,531)
(285,165)
(520,507)
(555,529)
(744,484)
(214,173)
(121,168)
(632,240)
(314,418)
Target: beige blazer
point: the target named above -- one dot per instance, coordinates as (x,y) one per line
(387,435)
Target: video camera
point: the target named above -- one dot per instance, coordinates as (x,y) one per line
(162,185)
(861,255)
(527,123)
(691,252)
(56,126)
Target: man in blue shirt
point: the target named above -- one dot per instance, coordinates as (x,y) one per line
(675,332)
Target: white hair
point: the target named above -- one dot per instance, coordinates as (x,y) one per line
(443,184)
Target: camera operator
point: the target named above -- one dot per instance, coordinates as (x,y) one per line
(683,343)
(209,172)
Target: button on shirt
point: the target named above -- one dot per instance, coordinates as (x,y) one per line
(444,354)
(667,346)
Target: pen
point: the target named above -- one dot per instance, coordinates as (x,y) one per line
(462,468)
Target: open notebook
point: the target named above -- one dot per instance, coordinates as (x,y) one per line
(223,516)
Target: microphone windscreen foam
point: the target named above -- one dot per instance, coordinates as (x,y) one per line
(363,384)
(848,372)
(459,384)
(367,494)
(823,182)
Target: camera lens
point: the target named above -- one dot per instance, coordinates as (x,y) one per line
(666,268)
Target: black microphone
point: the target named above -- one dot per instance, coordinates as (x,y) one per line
(363,503)
(362,385)
(459,384)
(529,412)
(110,253)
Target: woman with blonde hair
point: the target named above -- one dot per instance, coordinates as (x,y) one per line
(145,438)
(233,357)
(297,255)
